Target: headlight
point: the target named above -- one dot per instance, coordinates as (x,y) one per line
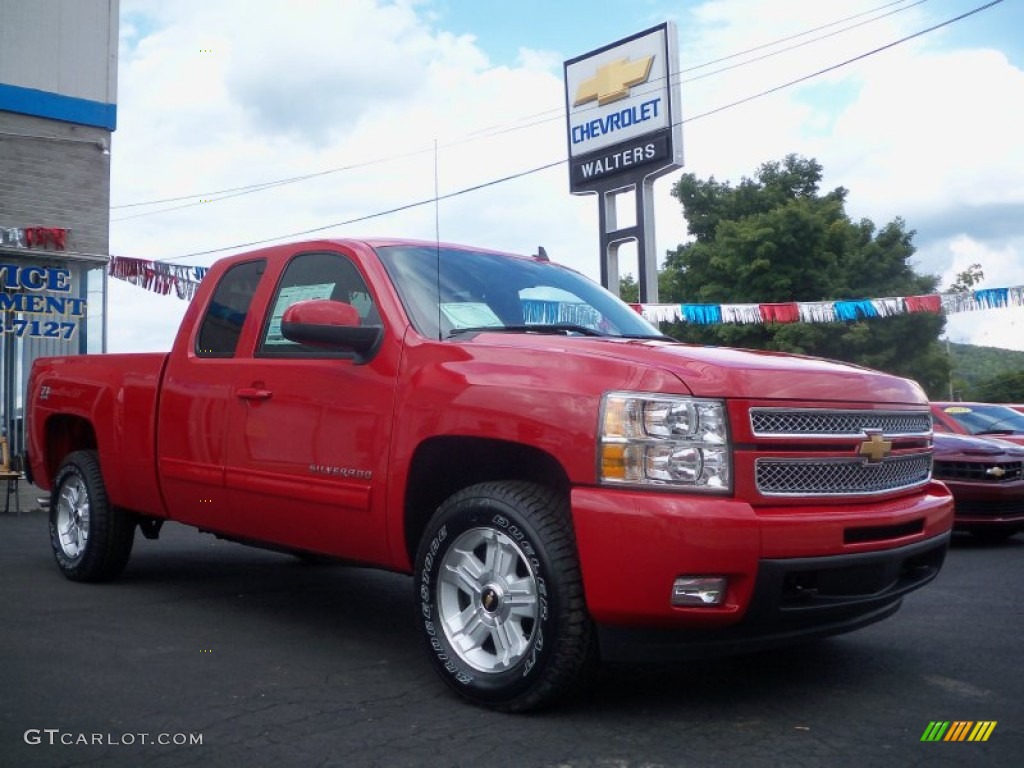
(664,440)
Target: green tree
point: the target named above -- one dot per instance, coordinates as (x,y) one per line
(1004,388)
(776,238)
(967,279)
(974,367)
(629,289)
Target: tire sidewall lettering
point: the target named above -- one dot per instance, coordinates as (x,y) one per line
(533,658)
(67,563)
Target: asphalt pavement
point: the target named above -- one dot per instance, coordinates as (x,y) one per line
(207,653)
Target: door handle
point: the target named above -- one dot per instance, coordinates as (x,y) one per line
(252,393)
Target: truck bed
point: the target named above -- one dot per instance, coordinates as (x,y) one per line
(113,396)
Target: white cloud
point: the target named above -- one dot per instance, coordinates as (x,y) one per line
(1003,268)
(923,132)
(1003,328)
(941,131)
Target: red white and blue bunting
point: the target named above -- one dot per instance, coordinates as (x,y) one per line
(831,311)
(161,277)
(158,276)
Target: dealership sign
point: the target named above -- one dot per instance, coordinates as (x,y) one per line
(623,111)
(37,301)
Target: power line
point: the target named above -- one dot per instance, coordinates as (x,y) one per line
(497,130)
(537,169)
(799,34)
(652,85)
(378,214)
(259,187)
(800,45)
(872,52)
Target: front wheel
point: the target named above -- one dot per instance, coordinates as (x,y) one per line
(500,596)
(91,539)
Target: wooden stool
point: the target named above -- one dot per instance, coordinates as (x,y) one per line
(13,478)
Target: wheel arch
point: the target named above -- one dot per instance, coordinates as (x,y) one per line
(64,434)
(431,478)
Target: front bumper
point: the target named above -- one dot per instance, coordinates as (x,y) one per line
(793,572)
(988,504)
(794,601)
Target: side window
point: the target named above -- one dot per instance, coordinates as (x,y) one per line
(224,318)
(315,276)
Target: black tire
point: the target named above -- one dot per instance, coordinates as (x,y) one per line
(527,639)
(91,539)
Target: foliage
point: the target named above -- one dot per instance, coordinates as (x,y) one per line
(629,289)
(1004,388)
(967,279)
(986,374)
(776,238)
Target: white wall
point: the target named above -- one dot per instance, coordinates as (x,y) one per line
(67,47)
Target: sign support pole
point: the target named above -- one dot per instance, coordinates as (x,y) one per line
(624,130)
(643,233)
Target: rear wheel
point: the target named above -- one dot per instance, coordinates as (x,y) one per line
(500,596)
(91,540)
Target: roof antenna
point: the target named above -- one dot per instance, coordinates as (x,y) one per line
(542,255)
(437,242)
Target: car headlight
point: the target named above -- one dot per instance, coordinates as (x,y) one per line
(648,439)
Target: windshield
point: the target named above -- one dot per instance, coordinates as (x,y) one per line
(488,291)
(987,419)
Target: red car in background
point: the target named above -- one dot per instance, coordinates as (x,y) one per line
(979,419)
(986,478)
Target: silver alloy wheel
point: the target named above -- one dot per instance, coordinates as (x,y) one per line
(73,517)
(487,600)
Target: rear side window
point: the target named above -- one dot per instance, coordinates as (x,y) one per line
(225,316)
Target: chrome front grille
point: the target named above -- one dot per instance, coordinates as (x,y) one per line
(809,422)
(996,472)
(840,477)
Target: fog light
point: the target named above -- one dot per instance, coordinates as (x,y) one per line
(699,590)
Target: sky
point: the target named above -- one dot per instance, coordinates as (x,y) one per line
(385,104)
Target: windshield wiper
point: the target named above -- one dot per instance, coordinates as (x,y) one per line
(565,328)
(994,427)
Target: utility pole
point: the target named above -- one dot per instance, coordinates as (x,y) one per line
(949,354)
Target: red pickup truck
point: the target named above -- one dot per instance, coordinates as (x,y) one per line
(564,482)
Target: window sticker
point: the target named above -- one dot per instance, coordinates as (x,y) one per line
(471,315)
(288,296)
(957,409)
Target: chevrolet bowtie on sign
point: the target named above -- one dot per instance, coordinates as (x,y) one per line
(613,81)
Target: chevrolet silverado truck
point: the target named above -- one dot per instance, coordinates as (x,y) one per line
(563,482)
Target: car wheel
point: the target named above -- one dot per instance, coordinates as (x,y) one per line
(500,596)
(91,539)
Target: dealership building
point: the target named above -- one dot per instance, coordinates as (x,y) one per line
(58,85)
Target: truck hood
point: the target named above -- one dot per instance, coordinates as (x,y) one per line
(951,447)
(736,373)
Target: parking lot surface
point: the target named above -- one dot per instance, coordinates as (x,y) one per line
(268,661)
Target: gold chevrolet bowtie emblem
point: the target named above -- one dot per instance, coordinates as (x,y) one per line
(875,447)
(613,81)
(995,471)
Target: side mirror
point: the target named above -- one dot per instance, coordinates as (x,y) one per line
(331,325)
